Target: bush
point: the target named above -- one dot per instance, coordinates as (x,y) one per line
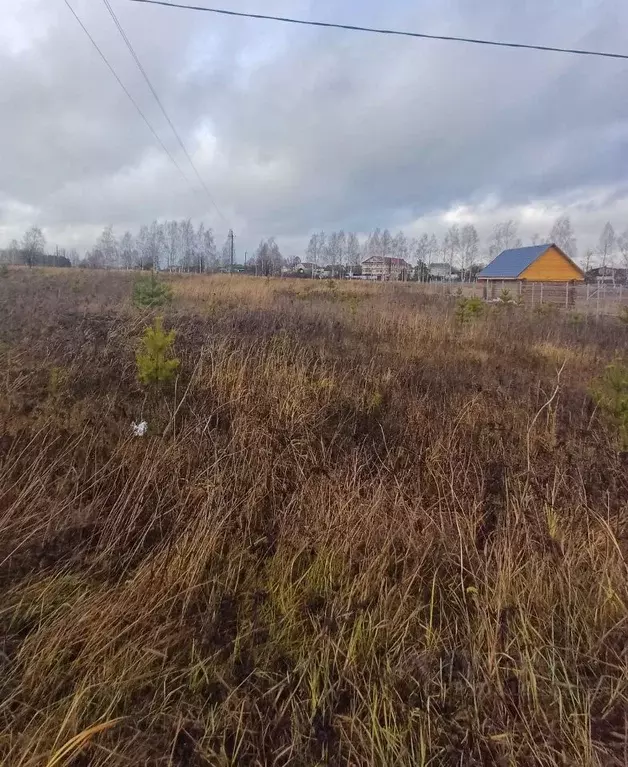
(150,292)
(155,363)
(4,270)
(623,315)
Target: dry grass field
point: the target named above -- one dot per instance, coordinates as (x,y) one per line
(357,532)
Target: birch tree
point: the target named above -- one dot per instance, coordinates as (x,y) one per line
(108,247)
(469,248)
(451,246)
(386,244)
(503,237)
(400,246)
(127,250)
(353,249)
(171,233)
(562,234)
(607,244)
(188,243)
(622,244)
(33,244)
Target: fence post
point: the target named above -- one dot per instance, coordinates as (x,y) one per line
(541,298)
(566,295)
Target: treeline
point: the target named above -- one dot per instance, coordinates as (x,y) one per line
(161,245)
(461,246)
(179,245)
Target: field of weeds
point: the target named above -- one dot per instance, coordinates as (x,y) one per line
(362,529)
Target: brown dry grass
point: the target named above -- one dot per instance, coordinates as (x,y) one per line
(358,533)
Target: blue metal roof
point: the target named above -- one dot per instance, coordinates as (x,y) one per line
(511,263)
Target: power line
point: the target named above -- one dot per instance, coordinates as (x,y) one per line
(131,99)
(396,32)
(161,106)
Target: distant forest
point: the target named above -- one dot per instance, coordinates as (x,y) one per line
(179,245)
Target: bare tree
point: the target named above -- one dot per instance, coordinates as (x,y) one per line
(469,248)
(373,244)
(12,253)
(33,245)
(588,260)
(333,252)
(108,247)
(535,239)
(275,256)
(622,244)
(95,259)
(353,249)
(563,235)
(171,233)
(386,244)
(451,246)
(225,254)
(268,258)
(73,256)
(127,251)
(263,263)
(607,244)
(420,252)
(342,247)
(142,247)
(188,245)
(503,237)
(316,248)
(400,246)
(207,245)
(157,245)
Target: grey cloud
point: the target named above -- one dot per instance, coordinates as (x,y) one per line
(309,128)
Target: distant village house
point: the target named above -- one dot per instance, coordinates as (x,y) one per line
(385,268)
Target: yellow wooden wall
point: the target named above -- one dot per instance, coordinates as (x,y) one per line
(552,266)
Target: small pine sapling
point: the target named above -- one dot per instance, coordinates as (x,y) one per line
(469,309)
(155,363)
(150,291)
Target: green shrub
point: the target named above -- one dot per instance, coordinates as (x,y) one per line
(506,297)
(150,291)
(469,309)
(611,394)
(155,363)
(4,270)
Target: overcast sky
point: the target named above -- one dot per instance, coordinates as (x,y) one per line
(298,129)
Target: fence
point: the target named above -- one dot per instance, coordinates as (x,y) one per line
(596,299)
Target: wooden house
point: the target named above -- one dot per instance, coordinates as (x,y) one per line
(540,274)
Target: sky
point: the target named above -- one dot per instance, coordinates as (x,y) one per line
(298,129)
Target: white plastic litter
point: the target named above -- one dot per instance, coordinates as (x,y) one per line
(139,429)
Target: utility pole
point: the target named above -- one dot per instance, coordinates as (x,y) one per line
(231,250)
